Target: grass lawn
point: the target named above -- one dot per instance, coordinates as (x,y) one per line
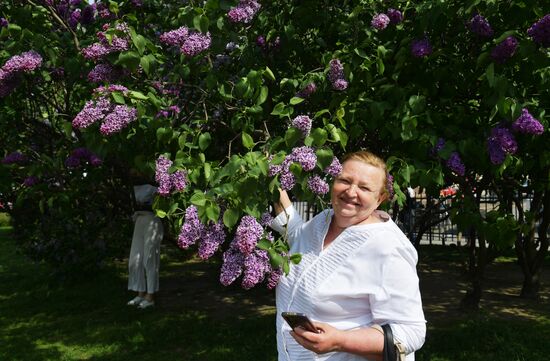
(198,319)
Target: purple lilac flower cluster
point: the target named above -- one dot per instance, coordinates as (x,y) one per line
(15,158)
(380,21)
(527,124)
(244,258)
(302,123)
(192,228)
(454,163)
(307,91)
(480,26)
(244,12)
(501,142)
(336,75)
(395,16)
(167,182)
(421,48)
(389,186)
(4,23)
(14,67)
(190,43)
(268,46)
(317,185)
(70,12)
(334,169)
(540,31)
(505,50)
(103,73)
(30,181)
(118,43)
(80,155)
(114,117)
(171,110)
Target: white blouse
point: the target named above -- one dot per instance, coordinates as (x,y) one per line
(366,276)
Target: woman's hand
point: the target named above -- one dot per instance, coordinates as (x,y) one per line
(327,340)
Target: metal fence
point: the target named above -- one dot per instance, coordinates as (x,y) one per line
(443,232)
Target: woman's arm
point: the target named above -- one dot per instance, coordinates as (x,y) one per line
(283,203)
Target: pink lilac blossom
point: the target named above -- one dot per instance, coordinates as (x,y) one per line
(248,234)
(30,181)
(196,43)
(256,265)
(105,90)
(454,163)
(162,177)
(178,179)
(380,21)
(334,169)
(93,111)
(501,142)
(244,12)
(305,156)
(480,26)
(192,228)
(273,278)
(317,185)
(504,50)
(232,267)
(527,124)
(118,119)
(266,219)
(4,23)
(303,123)
(287,179)
(211,240)
(26,62)
(74,19)
(395,16)
(421,48)
(175,37)
(14,158)
(336,75)
(540,31)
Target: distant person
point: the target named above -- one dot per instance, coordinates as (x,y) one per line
(358,270)
(144,260)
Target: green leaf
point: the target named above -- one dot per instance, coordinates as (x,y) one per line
(324,157)
(490,74)
(275,258)
(207,171)
(204,140)
(296,258)
(319,136)
(380,66)
(269,74)
(137,95)
(160,213)
(230,217)
(118,98)
(248,142)
(263,244)
(262,97)
(198,199)
(129,60)
(292,136)
(278,109)
(296,100)
(145,64)
(213,212)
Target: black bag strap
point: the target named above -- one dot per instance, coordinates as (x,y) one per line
(389,352)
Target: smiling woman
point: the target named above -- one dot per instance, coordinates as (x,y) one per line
(358,270)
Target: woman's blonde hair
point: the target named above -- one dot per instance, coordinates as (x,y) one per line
(372,159)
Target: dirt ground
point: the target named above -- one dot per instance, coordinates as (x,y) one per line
(193,284)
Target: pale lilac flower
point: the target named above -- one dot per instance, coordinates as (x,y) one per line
(505,50)
(317,185)
(175,37)
(340,84)
(26,62)
(303,123)
(232,267)
(196,43)
(192,229)
(266,219)
(178,179)
(274,277)
(248,234)
(211,240)
(421,47)
(93,111)
(380,21)
(307,91)
(118,119)
(287,179)
(335,168)
(527,124)
(305,156)
(389,186)
(244,12)
(395,16)
(455,164)
(103,73)
(162,177)
(256,265)
(480,26)
(540,31)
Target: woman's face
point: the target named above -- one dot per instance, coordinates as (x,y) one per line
(357,192)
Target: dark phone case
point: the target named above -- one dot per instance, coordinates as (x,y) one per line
(299,320)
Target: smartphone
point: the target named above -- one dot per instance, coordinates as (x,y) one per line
(295,319)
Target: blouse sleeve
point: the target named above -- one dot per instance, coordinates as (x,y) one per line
(289,220)
(398,302)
